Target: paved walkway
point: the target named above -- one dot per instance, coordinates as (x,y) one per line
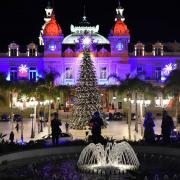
(115,129)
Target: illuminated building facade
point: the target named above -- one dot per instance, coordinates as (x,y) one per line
(111,55)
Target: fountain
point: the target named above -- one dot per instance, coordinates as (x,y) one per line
(115,158)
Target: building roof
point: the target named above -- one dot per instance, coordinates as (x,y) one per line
(120,29)
(52,28)
(78,31)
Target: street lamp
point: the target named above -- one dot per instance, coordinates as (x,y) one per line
(33,103)
(32,125)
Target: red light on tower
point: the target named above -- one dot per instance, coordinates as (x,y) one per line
(52,28)
(120,29)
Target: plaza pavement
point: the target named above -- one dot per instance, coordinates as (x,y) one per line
(115,129)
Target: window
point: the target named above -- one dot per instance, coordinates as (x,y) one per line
(13,73)
(32,74)
(68,73)
(139,70)
(158,73)
(103,73)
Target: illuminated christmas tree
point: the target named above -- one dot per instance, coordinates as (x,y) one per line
(87,97)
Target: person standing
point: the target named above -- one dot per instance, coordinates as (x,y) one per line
(167,127)
(11,137)
(56,130)
(67,127)
(97,124)
(17,127)
(149,125)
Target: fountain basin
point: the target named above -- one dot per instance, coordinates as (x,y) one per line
(114,158)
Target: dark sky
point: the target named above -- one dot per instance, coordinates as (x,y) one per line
(148,20)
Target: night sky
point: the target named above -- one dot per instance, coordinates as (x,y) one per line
(148,20)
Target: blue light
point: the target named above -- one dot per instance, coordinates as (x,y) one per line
(52,47)
(8,78)
(119,46)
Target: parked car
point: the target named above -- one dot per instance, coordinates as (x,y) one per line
(118,116)
(62,138)
(17,117)
(5,117)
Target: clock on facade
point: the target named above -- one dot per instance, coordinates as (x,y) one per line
(120,46)
(52,47)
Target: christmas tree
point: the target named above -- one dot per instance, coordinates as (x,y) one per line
(87,97)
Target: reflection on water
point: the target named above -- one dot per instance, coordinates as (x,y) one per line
(65,168)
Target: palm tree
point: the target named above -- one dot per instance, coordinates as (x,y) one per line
(47,85)
(135,86)
(172,86)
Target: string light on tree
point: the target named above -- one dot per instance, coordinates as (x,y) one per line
(87,97)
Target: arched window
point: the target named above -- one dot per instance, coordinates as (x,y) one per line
(13,49)
(158,49)
(31,50)
(32,74)
(139,49)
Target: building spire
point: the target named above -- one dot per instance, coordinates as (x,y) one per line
(53,4)
(119,12)
(48,5)
(84,18)
(84,14)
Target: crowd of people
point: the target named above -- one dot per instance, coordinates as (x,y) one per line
(96,123)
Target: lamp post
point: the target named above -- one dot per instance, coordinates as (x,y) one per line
(140,102)
(32,125)
(22,127)
(33,104)
(41,117)
(128,100)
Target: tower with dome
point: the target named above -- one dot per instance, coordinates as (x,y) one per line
(112,55)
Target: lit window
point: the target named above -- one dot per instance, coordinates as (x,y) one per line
(13,73)
(68,73)
(103,73)
(158,73)
(32,74)
(139,70)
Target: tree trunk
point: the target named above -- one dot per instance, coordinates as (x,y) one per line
(141,119)
(129,119)
(11,110)
(136,120)
(176,110)
(49,117)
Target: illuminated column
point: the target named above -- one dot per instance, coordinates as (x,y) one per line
(36,52)
(135,51)
(162,51)
(143,51)
(9,52)
(17,51)
(154,52)
(28,52)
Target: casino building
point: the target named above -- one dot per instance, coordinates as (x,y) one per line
(111,55)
